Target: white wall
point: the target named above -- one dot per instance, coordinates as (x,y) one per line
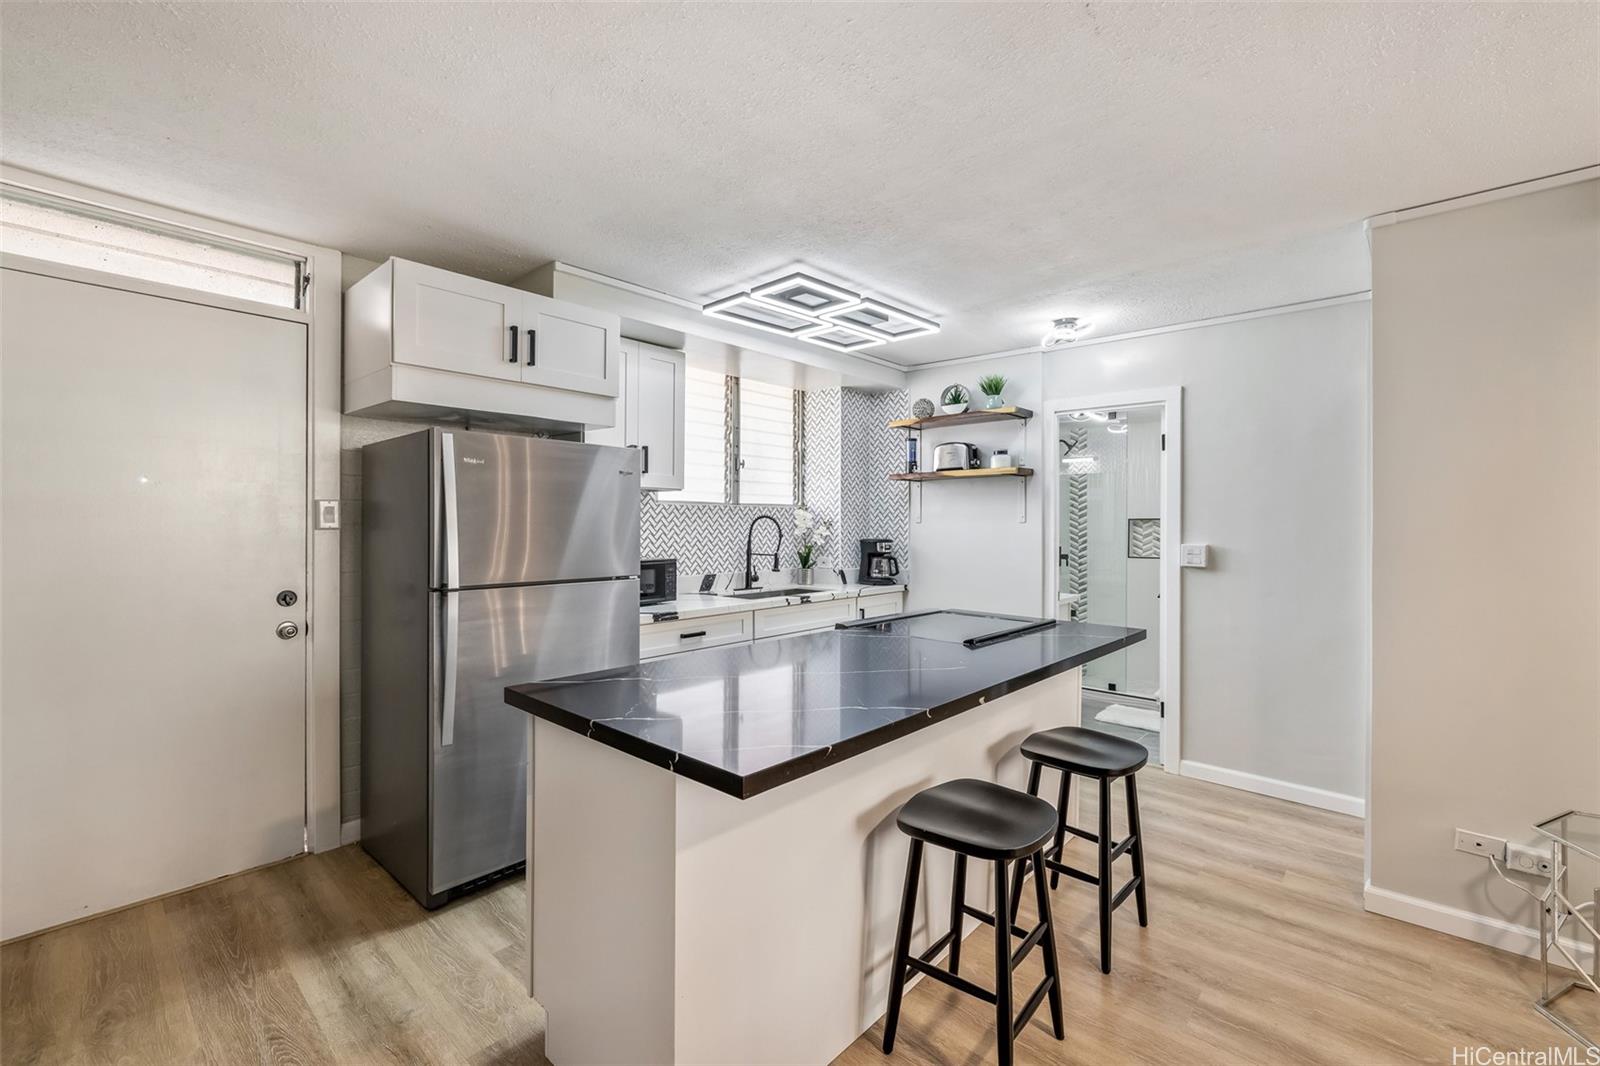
(969,551)
(1486,523)
(1275,479)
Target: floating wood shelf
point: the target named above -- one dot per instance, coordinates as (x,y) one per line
(952,475)
(965,418)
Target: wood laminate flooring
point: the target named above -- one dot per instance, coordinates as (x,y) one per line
(1258,952)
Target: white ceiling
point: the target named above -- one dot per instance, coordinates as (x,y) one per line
(992,165)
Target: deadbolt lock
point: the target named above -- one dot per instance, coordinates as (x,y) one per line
(287,598)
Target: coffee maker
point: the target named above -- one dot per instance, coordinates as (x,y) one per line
(878,564)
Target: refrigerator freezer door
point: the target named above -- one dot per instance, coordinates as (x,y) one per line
(527,509)
(508,636)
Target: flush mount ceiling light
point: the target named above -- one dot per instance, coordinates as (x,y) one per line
(802,294)
(1064,331)
(1088,416)
(807,308)
(882,320)
(1119,425)
(744,309)
(840,338)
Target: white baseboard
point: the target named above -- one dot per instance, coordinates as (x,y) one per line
(349,832)
(1478,928)
(1271,786)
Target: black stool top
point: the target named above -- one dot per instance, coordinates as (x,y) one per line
(1086,751)
(979,818)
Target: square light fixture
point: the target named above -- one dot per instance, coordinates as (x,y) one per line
(802,294)
(878,319)
(840,338)
(744,309)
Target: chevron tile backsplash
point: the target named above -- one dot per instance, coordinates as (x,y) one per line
(849,453)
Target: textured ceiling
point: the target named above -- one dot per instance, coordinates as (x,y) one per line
(990,164)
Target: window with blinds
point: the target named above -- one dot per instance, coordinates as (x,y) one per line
(766,443)
(63,231)
(705,439)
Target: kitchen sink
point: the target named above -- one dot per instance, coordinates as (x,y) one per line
(757,594)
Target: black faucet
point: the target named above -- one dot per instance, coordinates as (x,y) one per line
(749,540)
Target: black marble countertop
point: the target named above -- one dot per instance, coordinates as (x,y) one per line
(748,717)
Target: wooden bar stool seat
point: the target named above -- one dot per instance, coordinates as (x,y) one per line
(985,821)
(1103,757)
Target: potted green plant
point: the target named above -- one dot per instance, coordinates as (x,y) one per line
(953,400)
(812,533)
(992,385)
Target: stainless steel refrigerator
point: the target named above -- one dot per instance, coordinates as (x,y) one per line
(487,560)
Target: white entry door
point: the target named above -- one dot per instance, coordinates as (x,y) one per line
(152,732)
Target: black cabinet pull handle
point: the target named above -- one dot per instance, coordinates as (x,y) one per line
(513,343)
(688,636)
(646,449)
(531,349)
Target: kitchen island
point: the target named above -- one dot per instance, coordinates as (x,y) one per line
(714,867)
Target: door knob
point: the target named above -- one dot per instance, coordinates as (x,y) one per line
(288,630)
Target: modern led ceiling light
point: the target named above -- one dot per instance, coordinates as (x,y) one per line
(1064,331)
(882,320)
(744,309)
(840,338)
(800,293)
(807,308)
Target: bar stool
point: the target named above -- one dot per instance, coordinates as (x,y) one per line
(1089,753)
(979,820)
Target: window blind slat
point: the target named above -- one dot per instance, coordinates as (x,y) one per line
(766,443)
(705,458)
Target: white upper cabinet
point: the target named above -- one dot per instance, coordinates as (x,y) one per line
(653,381)
(422,342)
(452,322)
(570,347)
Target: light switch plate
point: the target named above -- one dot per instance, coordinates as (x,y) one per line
(1195,555)
(327,514)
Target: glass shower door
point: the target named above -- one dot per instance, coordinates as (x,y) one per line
(1110,493)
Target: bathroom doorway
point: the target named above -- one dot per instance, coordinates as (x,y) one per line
(1114,559)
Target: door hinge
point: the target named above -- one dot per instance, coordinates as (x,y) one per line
(1161,707)
(1163,442)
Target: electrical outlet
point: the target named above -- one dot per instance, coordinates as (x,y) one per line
(1479,844)
(1528,859)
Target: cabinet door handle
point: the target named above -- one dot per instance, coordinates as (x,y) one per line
(513,343)
(531,349)
(646,449)
(691,636)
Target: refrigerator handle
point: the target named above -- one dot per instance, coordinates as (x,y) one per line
(452,552)
(452,626)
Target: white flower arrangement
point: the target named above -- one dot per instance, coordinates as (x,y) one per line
(812,533)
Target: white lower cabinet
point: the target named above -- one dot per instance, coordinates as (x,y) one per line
(782,621)
(881,605)
(669,638)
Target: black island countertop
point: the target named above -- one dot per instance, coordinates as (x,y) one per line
(748,717)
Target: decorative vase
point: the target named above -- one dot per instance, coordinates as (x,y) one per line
(953,400)
(805,576)
(994,401)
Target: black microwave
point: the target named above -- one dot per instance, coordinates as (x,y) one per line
(658,581)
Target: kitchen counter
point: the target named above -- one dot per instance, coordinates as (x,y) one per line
(697,606)
(712,848)
(855,689)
